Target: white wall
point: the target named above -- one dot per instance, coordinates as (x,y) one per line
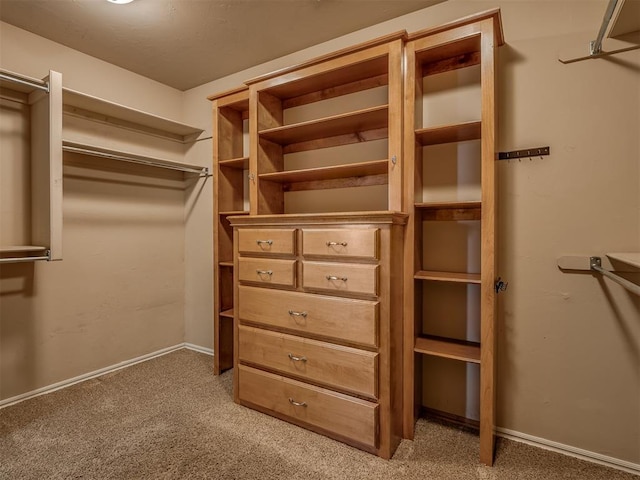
(569,344)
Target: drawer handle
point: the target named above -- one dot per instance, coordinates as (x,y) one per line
(268,242)
(264,272)
(297,314)
(333,277)
(297,404)
(333,244)
(296,358)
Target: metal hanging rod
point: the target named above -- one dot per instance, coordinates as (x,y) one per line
(596,265)
(595,46)
(525,153)
(84,150)
(26,259)
(21,79)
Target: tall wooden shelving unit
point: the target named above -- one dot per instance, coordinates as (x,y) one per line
(230,163)
(468,45)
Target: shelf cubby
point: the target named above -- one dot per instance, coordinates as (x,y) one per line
(448,348)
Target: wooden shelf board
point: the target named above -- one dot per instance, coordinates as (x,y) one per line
(361,169)
(459,132)
(359,121)
(226,264)
(22,248)
(448,205)
(227,313)
(241,163)
(233,212)
(629,258)
(447,276)
(446,348)
(449,211)
(110,112)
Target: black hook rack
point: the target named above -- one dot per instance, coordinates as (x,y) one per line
(529,152)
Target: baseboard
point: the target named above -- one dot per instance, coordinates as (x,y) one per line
(593,457)
(88,376)
(198,348)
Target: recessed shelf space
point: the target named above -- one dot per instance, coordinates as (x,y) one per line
(98,109)
(448,348)
(442,211)
(360,169)
(352,124)
(226,264)
(233,212)
(227,313)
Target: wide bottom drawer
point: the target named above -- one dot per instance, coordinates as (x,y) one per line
(332,412)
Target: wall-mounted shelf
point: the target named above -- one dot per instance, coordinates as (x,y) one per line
(98,109)
(629,258)
(448,133)
(447,348)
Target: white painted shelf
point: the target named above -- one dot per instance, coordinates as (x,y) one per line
(98,109)
(629,258)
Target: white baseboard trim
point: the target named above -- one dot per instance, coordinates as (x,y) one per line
(198,348)
(593,457)
(88,376)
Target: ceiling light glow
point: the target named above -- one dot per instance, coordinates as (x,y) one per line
(120,2)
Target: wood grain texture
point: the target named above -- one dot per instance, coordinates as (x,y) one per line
(341,242)
(340,278)
(269,241)
(267,271)
(445,348)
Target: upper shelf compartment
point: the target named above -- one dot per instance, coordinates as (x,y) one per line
(97,109)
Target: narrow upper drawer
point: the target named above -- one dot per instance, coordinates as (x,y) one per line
(345,242)
(330,411)
(279,241)
(341,319)
(267,271)
(336,366)
(340,277)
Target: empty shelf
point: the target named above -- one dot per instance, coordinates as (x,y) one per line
(226,264)
(362,169)
(454,349)
(22,248)
(241,163)
(448,276)
(233,212)
(628,258)
(227,313)
(448,133)
(450,210)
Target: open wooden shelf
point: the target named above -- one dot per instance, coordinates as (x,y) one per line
(447,276)
(241,163)
(226,264)
(361,169)
(233,212)
(448,133)
(101,110)
(450,210)
(227,313)
(448,348)
(353,122)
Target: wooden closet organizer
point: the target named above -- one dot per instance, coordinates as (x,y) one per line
(314,307)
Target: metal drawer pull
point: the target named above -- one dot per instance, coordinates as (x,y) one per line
(332,244)
(264,272)
(298,314)
(333,277)
(297,404)
(268,242)
(296,358)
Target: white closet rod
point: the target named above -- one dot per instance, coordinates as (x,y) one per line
(31,82)
(202,171)
(26,259)
(596,265)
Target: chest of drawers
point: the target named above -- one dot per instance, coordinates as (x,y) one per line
(318,323)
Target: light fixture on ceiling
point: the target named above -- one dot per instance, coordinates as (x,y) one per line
(120,2)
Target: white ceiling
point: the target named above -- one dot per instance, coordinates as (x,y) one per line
(186,43)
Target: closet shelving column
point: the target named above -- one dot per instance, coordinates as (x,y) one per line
(442,209)
(230,163)
(274,97)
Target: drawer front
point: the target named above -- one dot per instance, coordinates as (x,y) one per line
(341,319)
(333,365)
(333,412)
(340,277)
(280,241)
(347,242)
(267,271)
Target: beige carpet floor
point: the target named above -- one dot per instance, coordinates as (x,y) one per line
(170,418)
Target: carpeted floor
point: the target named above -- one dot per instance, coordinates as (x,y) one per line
(170,418)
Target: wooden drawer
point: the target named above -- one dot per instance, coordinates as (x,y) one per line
(346,242)
(280,241)
(341,319)
(333,365)
(328,411)
(267,271)
(340,277)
